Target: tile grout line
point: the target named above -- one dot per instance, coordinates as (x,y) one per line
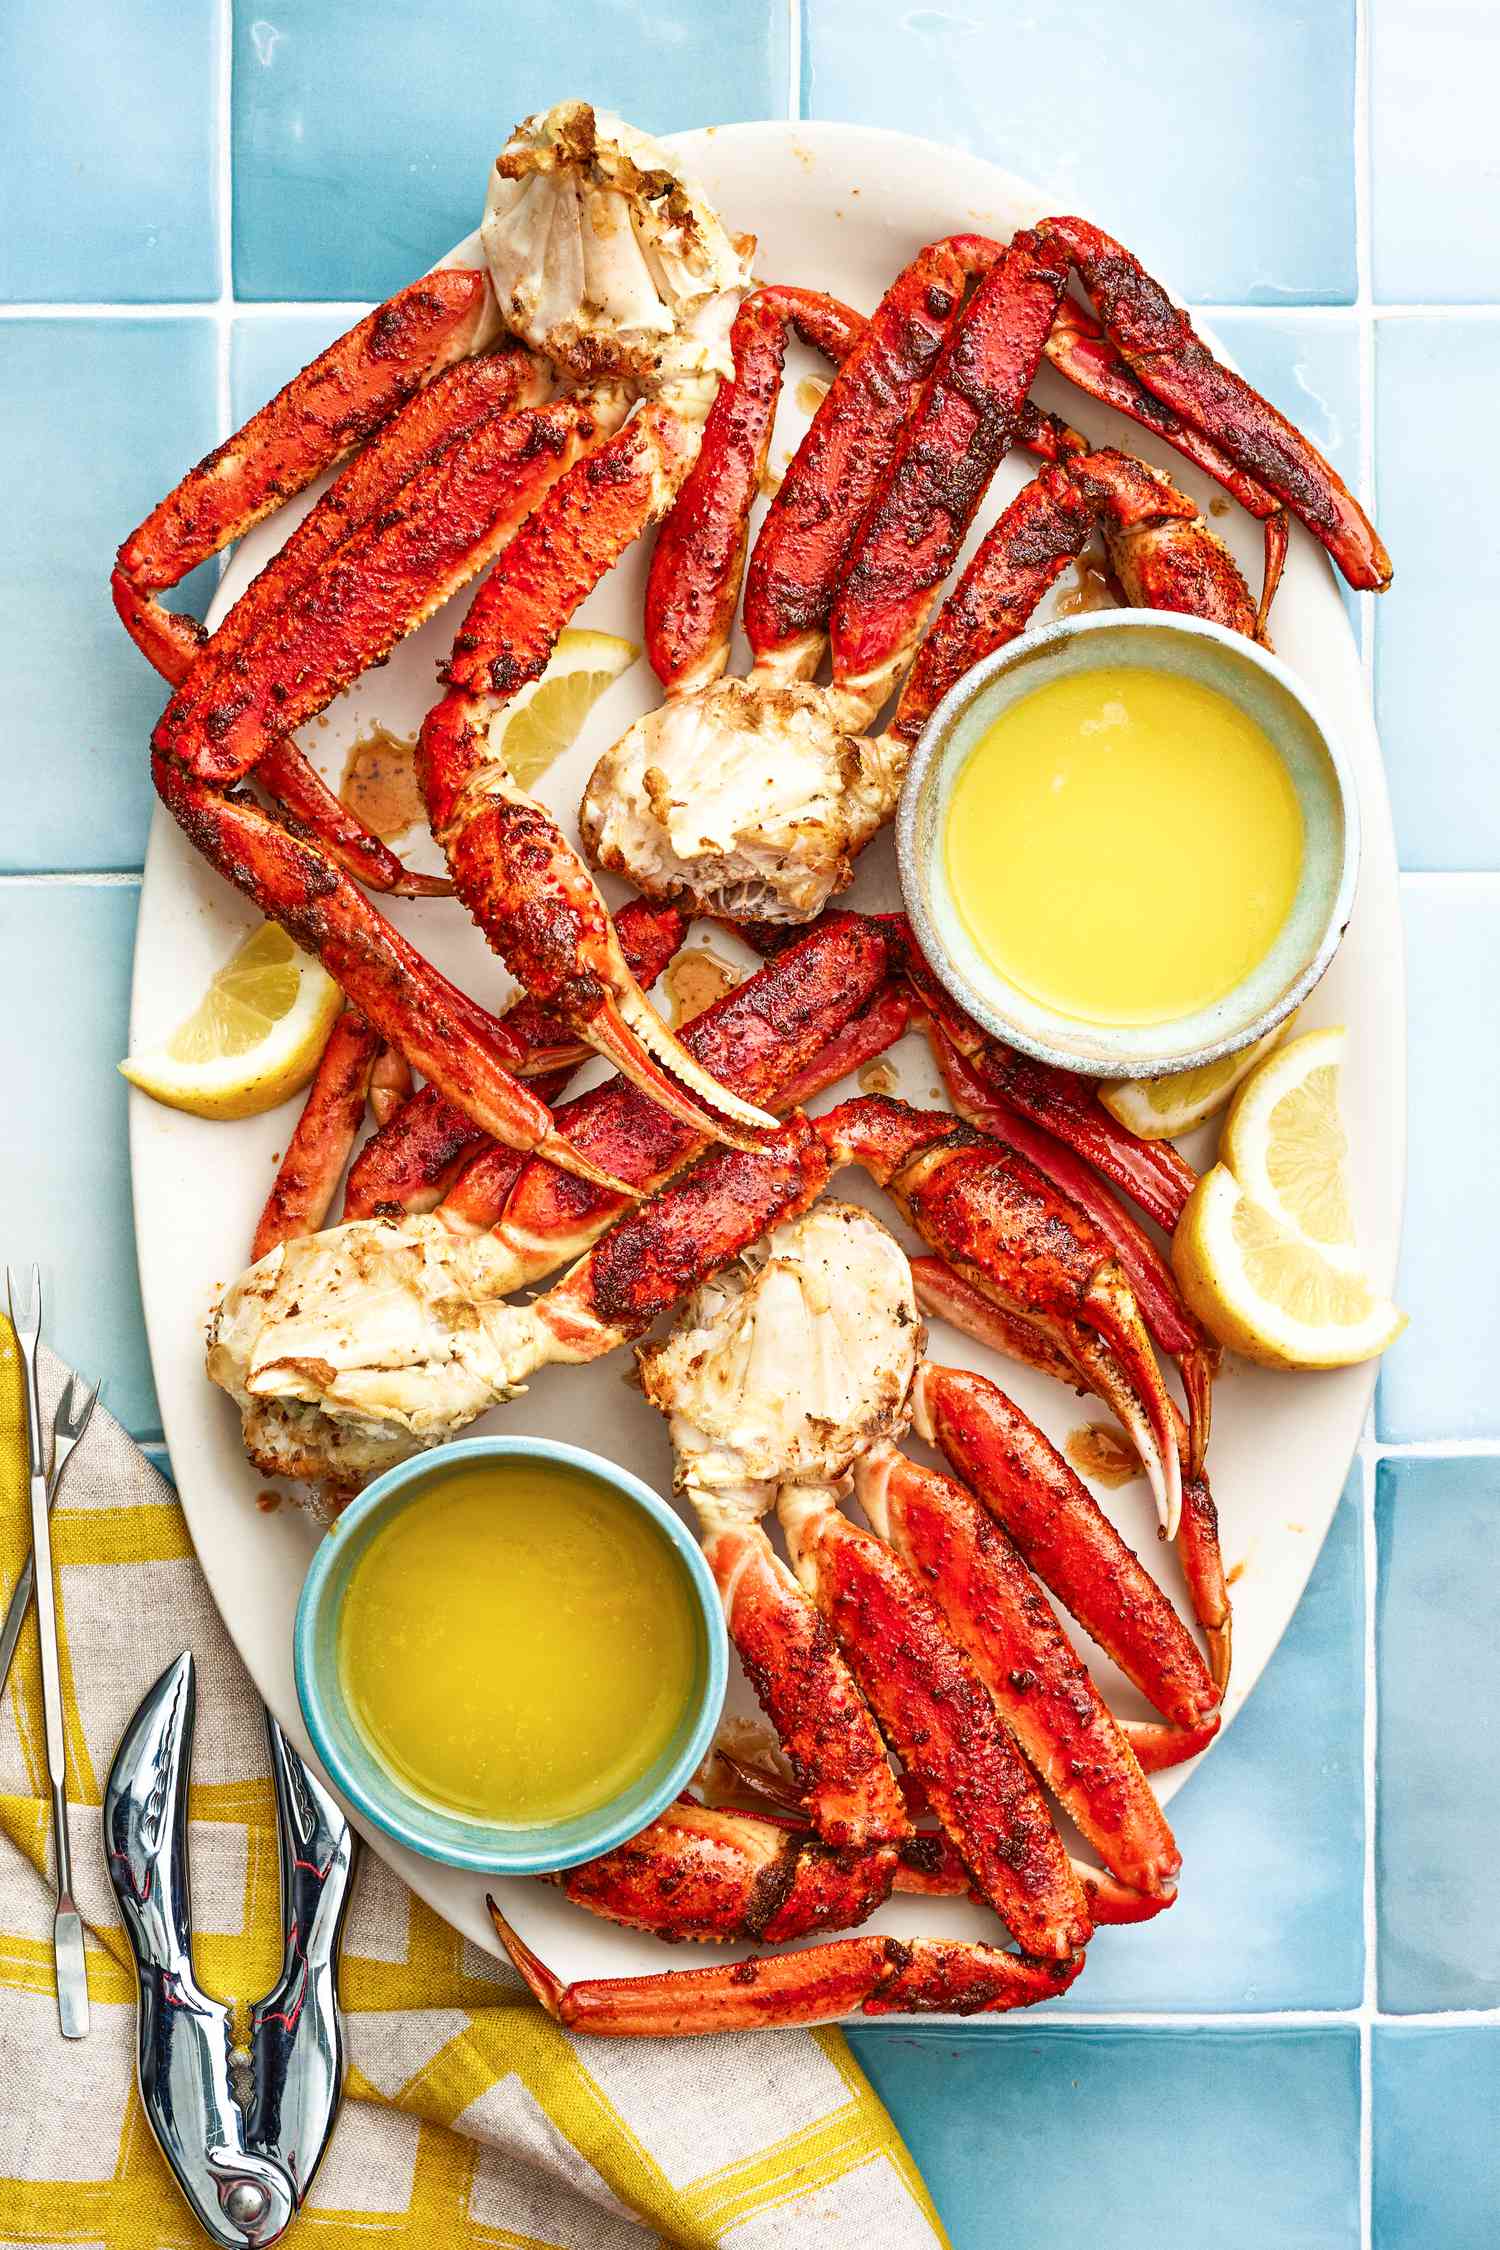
(1369,1900)
(224,308)
(794,60)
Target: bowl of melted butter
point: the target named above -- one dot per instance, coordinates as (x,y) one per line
(1128,843)
(510,1654)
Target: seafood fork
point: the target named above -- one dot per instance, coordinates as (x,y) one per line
(74,1410)
(67,1924)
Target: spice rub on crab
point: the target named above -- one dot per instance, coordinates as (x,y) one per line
(789,1381)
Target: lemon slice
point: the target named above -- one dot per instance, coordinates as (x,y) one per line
(1266,1292)
(254,1038)
(1160,1108)
(1285,1143)
(545,719)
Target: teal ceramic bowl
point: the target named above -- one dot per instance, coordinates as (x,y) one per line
(480,1846)
(1271,695)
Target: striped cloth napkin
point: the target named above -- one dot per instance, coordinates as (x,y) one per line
(471,2117)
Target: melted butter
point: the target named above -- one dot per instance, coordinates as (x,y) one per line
(1090,590)
(877,1077)
(380,783)
(519,1643)
(810,393)
(1098,1451)
(1124,845)
(694,980)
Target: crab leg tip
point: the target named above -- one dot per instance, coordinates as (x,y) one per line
(629,1033)
(542,1983)
(1220,1640)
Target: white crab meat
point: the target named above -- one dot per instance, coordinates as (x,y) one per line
(746,801)
(786,1368)
(606,260)
(350,1349)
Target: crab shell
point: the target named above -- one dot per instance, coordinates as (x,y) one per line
(740,800)
(605,259)
(346,1351)
(785,1369)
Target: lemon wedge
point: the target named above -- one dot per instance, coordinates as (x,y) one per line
(1285,1143)
(254,1038)
(1158,1109)
(545,719)
(1269,1293)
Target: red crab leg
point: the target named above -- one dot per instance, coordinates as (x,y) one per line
(524,884)
(969,415)
(446,521)
(949,1297)
(442,1033)
(1037,1681)
(1079,349)
(998,1219)
(758,1037)
(322,414)
(694,585)
(700,1873)
(1066,1537)
(418,1153)
(1162,551)
(838,1761)
(1161,348)
(318,1150)
(940,1721)
(836,471)
(868,1976)
(1171,1326)
(665,1246)
(1151,1173)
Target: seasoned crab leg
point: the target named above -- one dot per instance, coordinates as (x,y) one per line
(995,1217)
(445,1035)
(868,1976)
(950,1297)
(331,407)
(768,1031)
(1160,548)
(1036,1680)
(694,583)
(515,871)
(409,1164)
(1066,1538)
(308,1175)
(1171,1326)
(1162,349)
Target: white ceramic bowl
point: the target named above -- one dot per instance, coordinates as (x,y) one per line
(1269,693)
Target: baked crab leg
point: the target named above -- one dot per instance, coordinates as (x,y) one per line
(753,797)
(792,1379)
(615,276)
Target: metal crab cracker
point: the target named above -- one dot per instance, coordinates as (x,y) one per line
(243,2132)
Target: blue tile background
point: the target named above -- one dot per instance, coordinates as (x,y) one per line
(1169,2099)
(1437,2095)
(108,162)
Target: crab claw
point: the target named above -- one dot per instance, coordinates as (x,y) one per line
(867,1976)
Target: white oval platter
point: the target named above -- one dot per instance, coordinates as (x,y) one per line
(836,207)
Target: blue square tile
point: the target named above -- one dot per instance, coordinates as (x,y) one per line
(1435,628)
(1436,2098)
(364,130)
(1309,368)
(65,1184)
(1222,153)
(1270,1912)
(107,165)
(1052,2139)
(1435,161)
(1438,1380)
(102,417)
(1437,1827)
